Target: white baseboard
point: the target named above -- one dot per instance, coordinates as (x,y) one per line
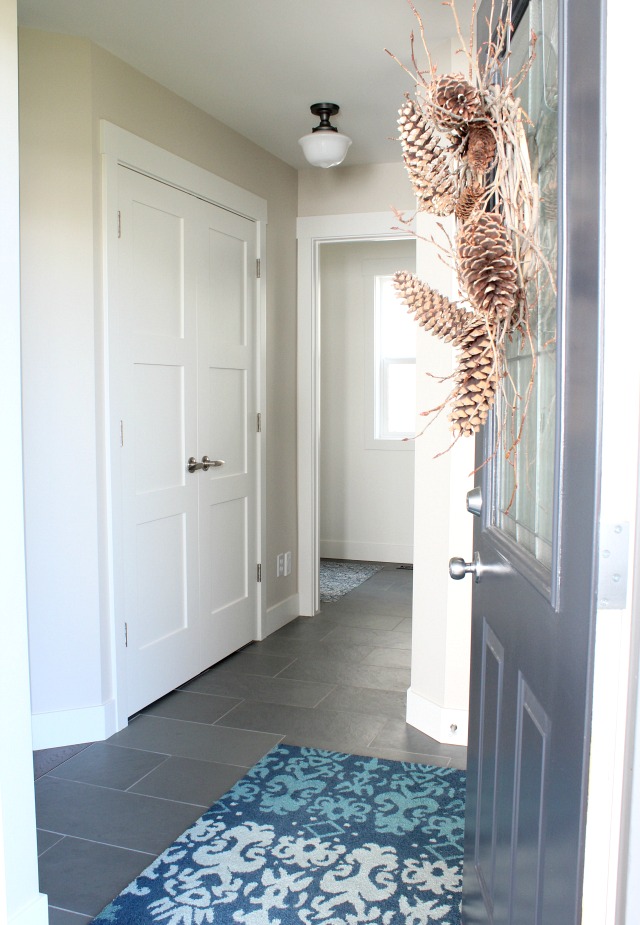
(35,913)
(450,727)
(366,552)
(281,614)
(73,727)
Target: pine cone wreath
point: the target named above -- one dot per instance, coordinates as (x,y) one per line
(453,102)
(486,266)
(426,161)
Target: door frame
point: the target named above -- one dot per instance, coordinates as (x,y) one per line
(121,148)
(312,231)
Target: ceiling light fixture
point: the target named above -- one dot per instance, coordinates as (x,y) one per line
(324,146)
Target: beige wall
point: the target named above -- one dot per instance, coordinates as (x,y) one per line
(67,85)
(345,190)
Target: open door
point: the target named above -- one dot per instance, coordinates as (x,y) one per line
(534,567)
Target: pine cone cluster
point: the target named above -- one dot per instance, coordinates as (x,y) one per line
(449,144)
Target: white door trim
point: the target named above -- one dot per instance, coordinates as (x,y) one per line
(312,232)
(121,148)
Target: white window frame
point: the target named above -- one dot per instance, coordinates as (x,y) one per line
(378,436)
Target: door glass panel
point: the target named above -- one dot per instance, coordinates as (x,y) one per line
(525,482)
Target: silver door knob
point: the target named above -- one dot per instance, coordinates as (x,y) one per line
(458,568)
(211,463)
(193,464)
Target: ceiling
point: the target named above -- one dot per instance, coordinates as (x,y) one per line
(257,65)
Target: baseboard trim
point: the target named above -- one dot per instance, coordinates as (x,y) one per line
(447,726)
(281,614)
(366,552)
(73,727)
(36,913)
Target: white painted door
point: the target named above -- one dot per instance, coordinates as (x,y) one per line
(226,428)
(185,388)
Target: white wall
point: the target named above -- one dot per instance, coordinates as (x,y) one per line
(67,85)
(366,494)
(611,890)
(20,901)
(437,702)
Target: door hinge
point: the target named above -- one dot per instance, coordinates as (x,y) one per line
(126,635)
(613,570)
(121,433)
(119,223)
(259,422)
(258,268)
(259,572)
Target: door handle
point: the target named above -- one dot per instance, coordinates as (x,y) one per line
(458,568)
(193,464)
(207,463)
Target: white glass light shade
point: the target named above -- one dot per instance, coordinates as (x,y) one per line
(325,148)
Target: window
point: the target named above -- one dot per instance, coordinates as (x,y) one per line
(394,364)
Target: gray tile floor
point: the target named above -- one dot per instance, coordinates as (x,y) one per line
(335,681)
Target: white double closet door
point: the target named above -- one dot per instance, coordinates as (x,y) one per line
(186,389)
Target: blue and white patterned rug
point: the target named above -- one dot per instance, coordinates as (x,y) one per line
(339,576)
(311,836)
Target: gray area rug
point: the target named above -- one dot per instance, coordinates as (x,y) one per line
(339,576)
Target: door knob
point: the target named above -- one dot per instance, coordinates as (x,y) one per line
(458,568)
(207,463)
(193,464)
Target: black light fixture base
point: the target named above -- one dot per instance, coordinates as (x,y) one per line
(325,111)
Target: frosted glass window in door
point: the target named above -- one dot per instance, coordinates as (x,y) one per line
(525,484)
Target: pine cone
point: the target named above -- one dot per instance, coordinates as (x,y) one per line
(481,147)
(431,309)
(466,204)
(475,377)
(476,380)
(486,266)
(454,102)
(427,161)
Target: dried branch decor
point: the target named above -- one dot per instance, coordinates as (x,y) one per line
(465,150)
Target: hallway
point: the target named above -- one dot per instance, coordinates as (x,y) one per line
(336,681)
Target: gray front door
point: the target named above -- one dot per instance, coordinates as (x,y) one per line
(534,602)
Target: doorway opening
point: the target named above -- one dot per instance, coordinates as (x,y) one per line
(332,240)
(367,383)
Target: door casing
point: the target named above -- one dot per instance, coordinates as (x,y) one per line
(121,148)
